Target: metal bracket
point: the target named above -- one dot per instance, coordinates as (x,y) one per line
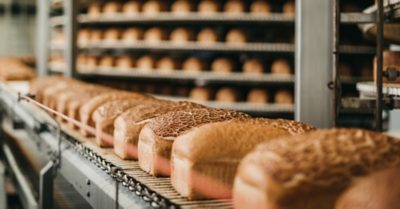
(46,186)
(391,73)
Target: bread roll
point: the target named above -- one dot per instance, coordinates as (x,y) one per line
(107,61)
(86,110)
(222,65)
(260,7)
(154,35)
(58,38)
(181,7)
(131,7)
(281,67)
(181,36)
(234,7)
(289,8)
(124,62)
(105,115)
(94,9)
(204,160)
(83,36)
(193,64)
(166,65)
(236,37)
(207,36)
(200,94)
(92,62)
(132,35)
(182,91)
(153,7)
(112,34)
(112,7)
(344,70)
(146,63)
(156,137)
(390,60)
(253,66)
(129,124)
(258,96)
(208,7)
(226,95)
(283,97)
(96,35)
(321,169)
(81,60)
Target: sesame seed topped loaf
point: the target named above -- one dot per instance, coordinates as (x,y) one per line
(214,150)
(128,125)
(313,170)
(105,115)
(156,137)
(87,109)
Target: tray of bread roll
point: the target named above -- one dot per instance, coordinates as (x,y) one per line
(183,154)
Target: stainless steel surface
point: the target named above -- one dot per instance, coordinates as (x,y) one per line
(42,37)
(314,31)
(357,18)
(46,184)
(71,8)
(337,87)
(22,184)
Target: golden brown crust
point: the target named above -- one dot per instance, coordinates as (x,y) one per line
(323,159)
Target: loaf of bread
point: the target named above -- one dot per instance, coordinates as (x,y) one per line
(207,36)
(235,37)
(222,65)
(112,34)
(94,9)
(260,7)
(156,137)
(154,35)
(129,124)
(234,7)
(334,168)
(132,34)
(166,65)
(84,36)
(106,113)
(204,160)
(153,7)
(91,63)
(58,37)
(87,109)
(39,85)
(289,8)
(283,96)
(226,95)
(81,61)
(207,7)
(181,7)
(112,7)
(96,35)
(281,67)
(146,63)
(200,94)
(50,95)
(107,61)
(390,60)
(258,96)
(181,36)
(124,62)
(253,66)
(193,65)
(131,7)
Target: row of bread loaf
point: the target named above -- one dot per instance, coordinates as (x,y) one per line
(177,36)
(213,153)
(183,7)
(170,64)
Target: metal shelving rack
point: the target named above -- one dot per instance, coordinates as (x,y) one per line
(71,19)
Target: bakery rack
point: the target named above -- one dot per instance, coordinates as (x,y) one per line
(375,96)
